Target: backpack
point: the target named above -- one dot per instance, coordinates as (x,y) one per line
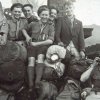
(12,66)
(77,67)
(71,91)
(47,91)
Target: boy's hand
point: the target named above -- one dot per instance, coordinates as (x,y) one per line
(82,54)
(85,92)
(61,44)
(33,44)
(95,61)
(28,40)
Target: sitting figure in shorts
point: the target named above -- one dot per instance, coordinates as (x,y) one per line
(39,36)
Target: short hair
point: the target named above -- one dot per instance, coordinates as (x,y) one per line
(68,3)
(18,5)
(42,8)
(53,7)
(27,5)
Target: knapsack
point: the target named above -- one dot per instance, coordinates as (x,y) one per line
(77,67)
(71,91)
(12,66)
(47,91)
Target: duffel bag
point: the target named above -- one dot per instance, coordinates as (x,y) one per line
(77,67)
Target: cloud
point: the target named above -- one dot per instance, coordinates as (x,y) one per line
(88,11)
(6,3)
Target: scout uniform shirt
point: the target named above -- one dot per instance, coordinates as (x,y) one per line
(15,27)
(38,32)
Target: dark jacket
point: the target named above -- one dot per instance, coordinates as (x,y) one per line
(64,33)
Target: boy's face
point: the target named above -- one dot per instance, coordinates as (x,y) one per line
(28,11)
(53,13)
(44,16)
(16,12)
(69,10)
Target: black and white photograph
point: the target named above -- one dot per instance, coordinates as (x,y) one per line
(49,50)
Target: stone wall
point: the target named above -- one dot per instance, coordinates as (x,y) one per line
(58,4)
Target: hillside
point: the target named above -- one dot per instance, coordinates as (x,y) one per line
(95,38)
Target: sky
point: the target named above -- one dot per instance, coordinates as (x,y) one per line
(88,11)
(85,10)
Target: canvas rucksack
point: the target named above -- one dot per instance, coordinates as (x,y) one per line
(12,66)
(77,67)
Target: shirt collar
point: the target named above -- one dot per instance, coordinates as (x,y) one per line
(42,23)
(71,18)
(30,19)
(15,20)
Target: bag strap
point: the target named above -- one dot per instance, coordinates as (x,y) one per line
(11,95)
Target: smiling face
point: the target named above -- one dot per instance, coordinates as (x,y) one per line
(69,9)
(44,16)
(53,14)
(16,12)
(28,11)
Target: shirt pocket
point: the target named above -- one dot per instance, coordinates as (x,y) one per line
(12,34)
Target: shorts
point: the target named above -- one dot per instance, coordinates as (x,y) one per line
(34,51)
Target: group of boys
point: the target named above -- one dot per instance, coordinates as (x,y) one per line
(69,40)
